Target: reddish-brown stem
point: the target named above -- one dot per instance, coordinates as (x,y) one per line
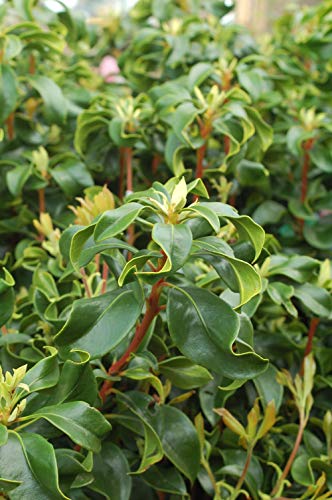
(104,277)
(205,130)
(155,163)
(85,283)
(161,495)
(232,200)
(97,262)
(121,173)
(41,200)
(244,473)
(291,458)
(32,64)
(128,152)
(314,322)
(10,126)
(4,330)
(152,310)
(200,153)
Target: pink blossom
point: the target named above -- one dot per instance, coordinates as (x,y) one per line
(109,69)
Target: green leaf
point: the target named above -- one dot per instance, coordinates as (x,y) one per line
(204,328)
(206,213)
(71,175)
(281,294)
(295,137)
(268,388)
(83,247)
(182,118)
(43,374)
(55,104)
(299,268)
(114,222)
(184,373)
(248,229)
(269,212)
(235,461)
(251,173)
(6,485)
(174,150)
(3,434)
(314,298)
(175,240)
(111,473)
(179,440)
(108,318)
(136,263)
(80,422)
(198,74)
(240,276)
(29,459)
(17,177)
(165,479)
(264,131)
(152,450)
(7,296)
(8,91)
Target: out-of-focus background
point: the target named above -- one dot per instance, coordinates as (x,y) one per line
(258,15)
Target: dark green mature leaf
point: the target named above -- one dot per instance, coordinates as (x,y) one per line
(251,173)
(248,229)
(184,373)
(269,212)
(43,374)
(240,276)
(152,451)
(179,440)
(114,222)
(207,214)
(7,296)
(314,298)
(268,388)
(108,318)
(204,328)
(71,175)
(111,473)
(82,423)
(83,247)
(297,267)
(55,104)
(8,91)
(17,177)
(175,240)
(264,131)
(29,459)
(165,479)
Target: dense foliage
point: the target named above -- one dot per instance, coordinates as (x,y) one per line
(165,289)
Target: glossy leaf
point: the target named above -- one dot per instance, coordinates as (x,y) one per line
(29,459)
(80,422)
(111,473)
(179,440)
(204,327)
(108,318)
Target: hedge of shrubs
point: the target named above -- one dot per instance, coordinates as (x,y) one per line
(166,230)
